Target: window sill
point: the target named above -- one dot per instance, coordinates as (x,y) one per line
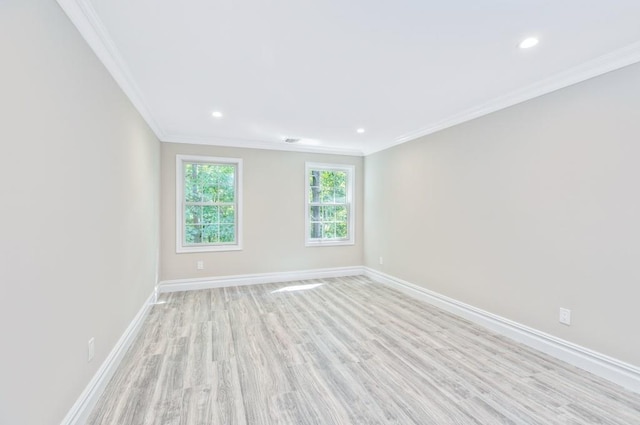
(328,243)
(207,248)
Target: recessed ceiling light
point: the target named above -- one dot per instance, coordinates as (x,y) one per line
(360,130)
(216,114)
(528,42)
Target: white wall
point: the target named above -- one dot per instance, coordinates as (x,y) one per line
(274,209)
(79,180)
(524,211)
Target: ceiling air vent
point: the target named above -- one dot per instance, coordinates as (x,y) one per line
(291,140)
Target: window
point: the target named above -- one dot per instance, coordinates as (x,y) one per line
(329,204)
(208,204)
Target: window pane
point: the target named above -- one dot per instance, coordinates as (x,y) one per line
(333,186)
(329,230)
(193,214)
(328,213)
(193,234)
(314,194)
(227,233)
(341,194)
(340,179)
(328,190)
(207,193)
(225,175)
(315,213)
(227,214)
(314,178)
(327,196)
(226,183)
(191,183)
(210,233)
(326,186)
(341,213)
(315,230)
(209,183)
(209,215)
(226,194)
(206,181)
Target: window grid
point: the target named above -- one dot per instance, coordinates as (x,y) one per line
(201,227)
(209,211)
(328,200)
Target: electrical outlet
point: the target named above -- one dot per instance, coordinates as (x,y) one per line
(565,316)
(200,265)
(380,260)
(91,349)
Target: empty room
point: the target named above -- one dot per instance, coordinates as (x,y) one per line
(319,213)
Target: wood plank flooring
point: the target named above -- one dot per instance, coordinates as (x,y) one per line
(348,351)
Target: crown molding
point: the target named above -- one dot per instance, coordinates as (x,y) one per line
(86,20)
(257,144)
(84,17)
(601,65)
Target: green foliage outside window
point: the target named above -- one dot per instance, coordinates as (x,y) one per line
(209,203)
(328,208)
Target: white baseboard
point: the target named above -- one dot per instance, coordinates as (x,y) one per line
(612,369)
(255,279)
(79,413)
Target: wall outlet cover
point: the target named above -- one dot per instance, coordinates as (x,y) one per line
(565,316)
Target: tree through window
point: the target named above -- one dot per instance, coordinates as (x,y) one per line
(329,204)
(208,207)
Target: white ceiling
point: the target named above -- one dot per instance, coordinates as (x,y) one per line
(318,70)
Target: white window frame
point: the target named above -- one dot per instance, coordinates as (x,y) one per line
(350,198)
(181,247)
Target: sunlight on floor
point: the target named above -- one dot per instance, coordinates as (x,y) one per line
(295,288)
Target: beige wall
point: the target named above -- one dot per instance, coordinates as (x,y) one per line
(519,212)
(524,211)
(273,216)
(79,212)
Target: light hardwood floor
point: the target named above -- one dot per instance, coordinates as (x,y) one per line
(348,351)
